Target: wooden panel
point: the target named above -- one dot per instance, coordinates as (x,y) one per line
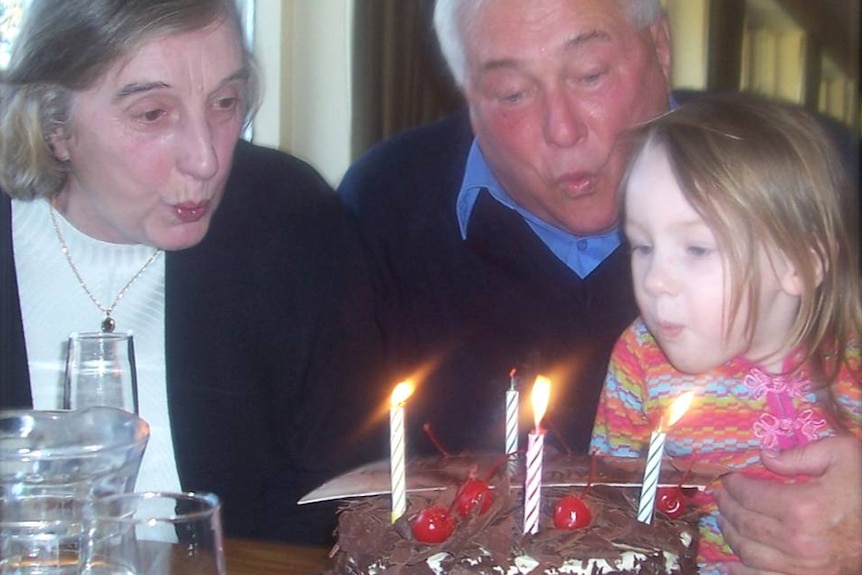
(726,27)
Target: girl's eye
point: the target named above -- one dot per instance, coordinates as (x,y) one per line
(640,249)
(698,251)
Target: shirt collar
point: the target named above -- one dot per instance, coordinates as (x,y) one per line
(582,254)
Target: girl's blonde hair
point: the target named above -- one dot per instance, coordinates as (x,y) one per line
(764,174)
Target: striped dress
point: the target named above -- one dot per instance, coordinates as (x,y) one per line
(738,410)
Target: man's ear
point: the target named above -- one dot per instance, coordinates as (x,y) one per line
(660,32)
(791,281)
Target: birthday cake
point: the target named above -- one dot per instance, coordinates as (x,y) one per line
(438,534)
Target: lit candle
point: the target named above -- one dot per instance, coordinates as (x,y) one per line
(535,445)
(512,398)
(646,504)
(396,448)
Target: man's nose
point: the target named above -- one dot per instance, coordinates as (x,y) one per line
(564,120)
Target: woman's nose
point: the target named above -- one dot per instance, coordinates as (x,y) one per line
(197,155)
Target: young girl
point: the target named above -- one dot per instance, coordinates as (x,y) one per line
(745,261)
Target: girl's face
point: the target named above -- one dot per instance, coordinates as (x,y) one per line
(150,144)
(682,282)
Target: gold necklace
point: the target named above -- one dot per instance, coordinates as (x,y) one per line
(108,324)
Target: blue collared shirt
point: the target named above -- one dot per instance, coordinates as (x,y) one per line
(582,254)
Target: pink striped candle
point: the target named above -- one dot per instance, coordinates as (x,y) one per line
(535,446)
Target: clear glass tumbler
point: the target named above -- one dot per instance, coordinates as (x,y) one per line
(154,534)
(100,370)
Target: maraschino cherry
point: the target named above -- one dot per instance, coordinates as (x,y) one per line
(433,524)
(472,493)
(475,492)
(572,513)
(670,501)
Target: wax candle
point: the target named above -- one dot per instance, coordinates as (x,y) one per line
(535,446)
(652,470)
(398,485)
(512,399)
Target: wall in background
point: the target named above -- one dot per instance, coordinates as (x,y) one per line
(304,52)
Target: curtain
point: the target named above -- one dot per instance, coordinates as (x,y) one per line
(399,78)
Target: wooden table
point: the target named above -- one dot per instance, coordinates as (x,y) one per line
(246,557)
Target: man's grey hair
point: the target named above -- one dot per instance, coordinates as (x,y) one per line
(453,20)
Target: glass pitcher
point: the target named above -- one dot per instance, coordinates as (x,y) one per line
(51,462)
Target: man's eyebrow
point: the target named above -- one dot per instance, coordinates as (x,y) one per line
(585,38)
(140,87)
(571,44)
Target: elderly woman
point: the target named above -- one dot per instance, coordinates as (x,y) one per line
(131,203)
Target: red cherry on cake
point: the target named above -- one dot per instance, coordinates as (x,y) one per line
(670,501)
(433,524)
(572,513)
(473,492)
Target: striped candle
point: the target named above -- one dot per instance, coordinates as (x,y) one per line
(398,479)
(512,399)
(655,453)
(646,503)
(533,487)
(535,446)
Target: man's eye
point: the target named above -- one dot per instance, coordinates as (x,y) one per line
(511,97)
(151,116)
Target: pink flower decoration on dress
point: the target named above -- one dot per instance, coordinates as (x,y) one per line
(761,383)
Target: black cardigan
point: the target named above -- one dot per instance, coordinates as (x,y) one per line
(464,313)
(270,343)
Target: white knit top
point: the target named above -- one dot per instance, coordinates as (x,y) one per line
(53,304)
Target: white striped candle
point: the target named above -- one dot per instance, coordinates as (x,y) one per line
(512,399)
(398,478)
(655,453)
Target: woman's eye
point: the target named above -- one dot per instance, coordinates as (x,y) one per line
(226,103)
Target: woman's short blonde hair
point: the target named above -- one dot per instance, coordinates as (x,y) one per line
(64,46)
(764,174)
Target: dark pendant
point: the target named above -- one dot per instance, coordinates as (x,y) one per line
(108,324)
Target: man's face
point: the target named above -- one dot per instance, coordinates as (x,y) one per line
(551,85)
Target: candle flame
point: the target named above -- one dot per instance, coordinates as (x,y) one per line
(677,409)
(401,393)
(539,397)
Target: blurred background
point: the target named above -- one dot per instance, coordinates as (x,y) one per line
(340,75)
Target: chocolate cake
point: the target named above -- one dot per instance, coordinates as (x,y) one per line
(614,542)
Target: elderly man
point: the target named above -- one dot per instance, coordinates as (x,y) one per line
(496,236)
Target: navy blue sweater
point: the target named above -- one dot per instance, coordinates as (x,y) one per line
(465,312)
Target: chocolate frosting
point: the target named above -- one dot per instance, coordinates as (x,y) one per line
(488,543)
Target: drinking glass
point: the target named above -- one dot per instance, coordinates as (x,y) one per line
(40,535)
(154,534)
(100,370)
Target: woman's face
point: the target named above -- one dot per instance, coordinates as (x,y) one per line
(150,145)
